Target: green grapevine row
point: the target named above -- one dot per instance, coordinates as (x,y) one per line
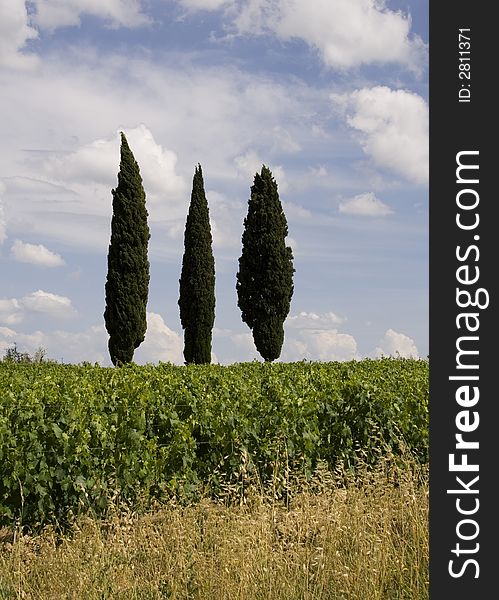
(74,437)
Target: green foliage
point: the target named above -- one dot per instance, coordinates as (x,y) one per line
(128,265)
(74,438)
(197,280)
(265,276)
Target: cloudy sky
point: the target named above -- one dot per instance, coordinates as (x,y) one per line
(332,95)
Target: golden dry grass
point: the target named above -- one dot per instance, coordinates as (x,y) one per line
(339,538)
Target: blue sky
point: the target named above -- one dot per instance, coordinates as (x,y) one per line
(332,95)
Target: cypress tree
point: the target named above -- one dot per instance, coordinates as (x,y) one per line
(197,280)
(265,278)
(128,265)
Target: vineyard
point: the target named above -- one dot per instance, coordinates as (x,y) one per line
(75,438)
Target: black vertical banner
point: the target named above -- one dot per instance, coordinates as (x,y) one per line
(464,240)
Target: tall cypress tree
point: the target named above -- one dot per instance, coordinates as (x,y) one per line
(197,280)
(128,265)
(265,278)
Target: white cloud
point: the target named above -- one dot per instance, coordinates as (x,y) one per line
(13,310)
(49,304)
(296,212)
(345,33)
(5,331)
(61,190)
(317,344)
(75,347)
(397,344)
(226,217)
(10,311)
(308,336)
(160,344)
(283,141)
(393,126)
(98,163)
(310,320)
(95,163)
(6,340)
(250,163)
(4,345)
(314,336)
(14,33)
(70,347)
(320,171)
(68,197)
(51,14)
(157,165)
(365,205)
(35,254)
(237,347)
(245,344)
(194,5)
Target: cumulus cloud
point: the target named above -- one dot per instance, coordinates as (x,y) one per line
(157,164)
(235,346)
(51,14)
(308,336)
(310,320)
(15,32)
(319,344)
(35,254)
(160,344)
(59,185)
(67,196)
(245,347)
(393,128)
(49,304)
(66,346)
(95,162)
(14,310)
(365,205)
(250,162)
(194,5)
(98,162)
(6,339)
(6,332)
(10,311)
(397,344)
(345,33)
(225,220)
(315,336)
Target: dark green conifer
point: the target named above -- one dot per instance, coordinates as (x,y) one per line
(127,282)
(265,278)
(197,280)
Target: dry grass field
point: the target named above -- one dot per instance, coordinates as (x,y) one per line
(339,537)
